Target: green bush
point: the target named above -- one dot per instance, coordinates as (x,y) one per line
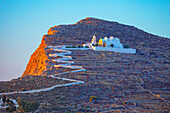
(24,89)
(68,46)
(86,47)
(126,46)
(4,98)
(57,97)
(74,46)
(79,46)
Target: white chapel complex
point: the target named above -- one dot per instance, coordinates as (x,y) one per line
(112,44)
(109,44)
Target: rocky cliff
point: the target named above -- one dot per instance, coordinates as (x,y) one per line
(82,32)
(37,63)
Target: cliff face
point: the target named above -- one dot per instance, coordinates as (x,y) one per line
(83,31)
(37,63)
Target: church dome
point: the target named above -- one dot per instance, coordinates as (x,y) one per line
(105,38)
(117,40)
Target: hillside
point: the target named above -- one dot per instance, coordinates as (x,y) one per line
(82,32)
(102,81)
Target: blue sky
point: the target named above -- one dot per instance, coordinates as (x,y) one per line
(24,22)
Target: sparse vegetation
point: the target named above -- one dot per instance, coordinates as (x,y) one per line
(71,47)
(68,46)
(10,103)
(80,46)
(7,102)
(27,106)
(11,109)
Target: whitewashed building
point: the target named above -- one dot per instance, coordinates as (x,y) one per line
(93,41)
(110,42)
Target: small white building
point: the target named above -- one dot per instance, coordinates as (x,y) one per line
(87,44)
(93,41)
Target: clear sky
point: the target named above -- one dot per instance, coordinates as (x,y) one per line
(24,22)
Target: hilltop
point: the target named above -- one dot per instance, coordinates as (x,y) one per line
(82,32)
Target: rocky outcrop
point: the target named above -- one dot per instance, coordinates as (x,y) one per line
(37,63)
(83,31)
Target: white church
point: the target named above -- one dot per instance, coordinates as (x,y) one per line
(109,44)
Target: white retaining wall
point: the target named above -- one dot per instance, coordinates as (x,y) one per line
(120,50)
(64,47)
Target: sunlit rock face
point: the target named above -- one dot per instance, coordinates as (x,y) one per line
(37,63)
(82,32)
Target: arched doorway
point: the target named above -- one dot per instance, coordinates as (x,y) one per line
(104,44)
(111,45)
